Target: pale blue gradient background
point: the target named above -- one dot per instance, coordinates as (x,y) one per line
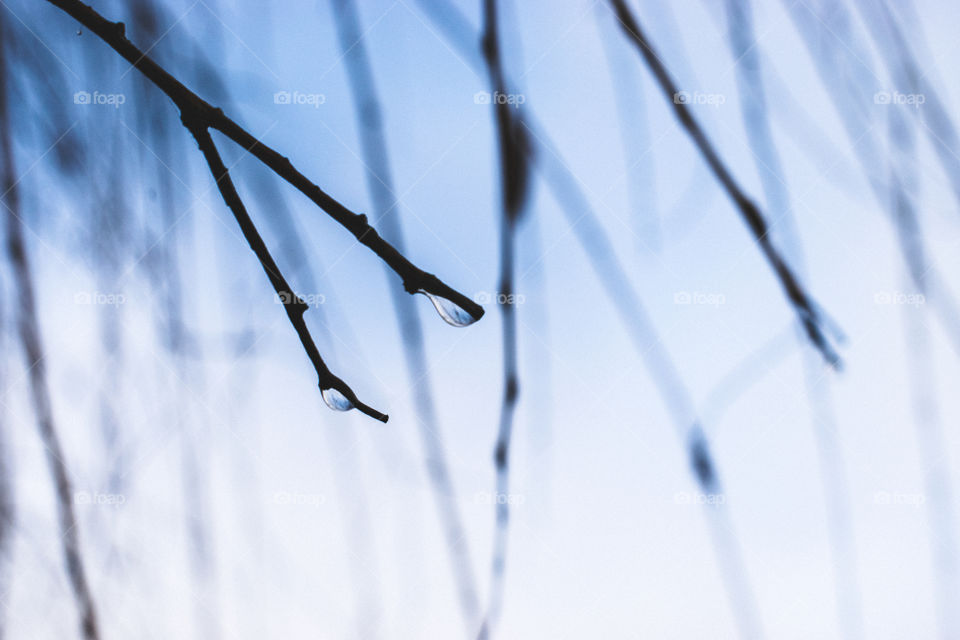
(600,547)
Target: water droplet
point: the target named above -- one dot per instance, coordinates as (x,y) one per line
(336,400)
(450,311)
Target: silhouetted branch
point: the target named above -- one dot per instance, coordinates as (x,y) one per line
(195,108)
(292,303)
(803,305)
(453,306)
(380,185)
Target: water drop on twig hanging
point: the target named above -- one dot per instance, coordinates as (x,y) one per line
(336,400)
(450,311)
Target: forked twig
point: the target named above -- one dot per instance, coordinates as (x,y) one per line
(292,303)
(200,116)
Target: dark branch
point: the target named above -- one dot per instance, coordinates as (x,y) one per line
(113,33)
(292,303)
(200,116)
(515,157)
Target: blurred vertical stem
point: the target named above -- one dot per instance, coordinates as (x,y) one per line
(28,324)
(386,206)
(617,285)
(755,115)
(514,191)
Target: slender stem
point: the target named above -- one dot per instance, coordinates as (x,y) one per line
(292,303)
(514,170)
(754,219)
(380,185)
(206,115)
(615,282)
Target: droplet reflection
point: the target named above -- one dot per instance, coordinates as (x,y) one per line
(336,400)
(450,311)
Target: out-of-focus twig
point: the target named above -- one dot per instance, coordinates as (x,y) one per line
(28,325)
(380,185)
(903,66)
(805,308)
(931,438)
(755,115)
(453,306)
(515,156)
(849,83)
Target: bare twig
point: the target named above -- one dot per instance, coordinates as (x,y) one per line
(514,171)
(414,279)
(31,340)
(798,297)
(453,306)
(292,303)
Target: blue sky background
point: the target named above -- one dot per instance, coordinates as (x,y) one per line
(322,522)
